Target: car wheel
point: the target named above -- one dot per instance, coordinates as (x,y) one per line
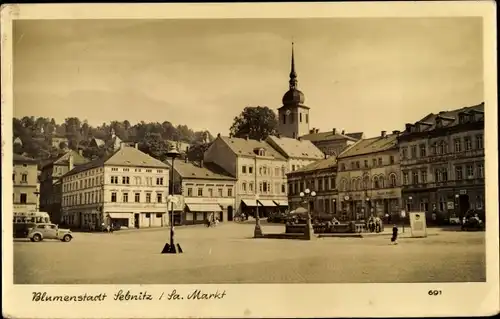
(37,238)
(67,238)
(32,240)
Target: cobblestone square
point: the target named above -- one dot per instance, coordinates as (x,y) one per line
(228,254)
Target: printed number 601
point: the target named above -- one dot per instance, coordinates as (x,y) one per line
(434,292)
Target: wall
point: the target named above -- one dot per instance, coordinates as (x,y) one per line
(29,187)
(220,154)
(295,128)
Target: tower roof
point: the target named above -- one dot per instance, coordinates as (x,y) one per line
(293,96)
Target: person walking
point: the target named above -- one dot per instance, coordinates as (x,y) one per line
(394,238)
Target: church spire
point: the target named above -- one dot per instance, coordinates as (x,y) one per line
(293,74)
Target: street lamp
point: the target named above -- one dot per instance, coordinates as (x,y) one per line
(172,248)
(334,206)
(257,232)
(410,203)
(306,195)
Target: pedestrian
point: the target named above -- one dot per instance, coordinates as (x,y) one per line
(394,238)
(108,229)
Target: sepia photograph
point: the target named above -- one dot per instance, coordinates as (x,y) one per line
(214,151)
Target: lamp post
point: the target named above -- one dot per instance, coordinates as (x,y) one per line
(334,203)
(257,232)
(172,248)
(410,203)
(306,195)
(457,209)
(368,206)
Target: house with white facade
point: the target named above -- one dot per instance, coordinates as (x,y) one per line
(127,188)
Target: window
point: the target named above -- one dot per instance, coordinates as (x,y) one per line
(24,178)
(380,161)
(243,169)
(229,192)
(114,179)
(210,192)
(200,191)
(375,182)
(479,202)
(423,150)
(423,176)
(480,170)
(277,171)
(392,179)
(391,159)
(148,197)
(458,173)
(444,174)
(159,215)
(458,145)
(413,151)
(320,184)
(307,118)
(250,169)
(357,165)
(405,178)
(442,148)
(283,188)
(342,167)
(332,183)
(125,197)
(366,163)
(244,187)
(137,197)
(404,152)
(300,117)
(159,197)
(13,177)
(190,191)
(113,197)
(159,181)
(24,198)
(220,192)
(374,162)
(125,180)
(114,169)
(148,215)
(470,171)
(415,177)
(468,143)
(434,148)
(479,142)
(250,187)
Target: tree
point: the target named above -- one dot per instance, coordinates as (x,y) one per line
(155,146)
(255,122)
(197,150)
(63,145)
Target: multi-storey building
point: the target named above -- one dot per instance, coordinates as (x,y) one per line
(319,177)
(26,185)
(207,189)
(260,171)
(50,185)
(333,142)
(369,178)
(128,188)
(442,162)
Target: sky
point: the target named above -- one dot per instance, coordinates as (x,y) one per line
(357,74)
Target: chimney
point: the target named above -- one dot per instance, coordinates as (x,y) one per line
(343,132)
(70,162)
(408,127)
(334,131)
(136,145)
(311,131)
(383,133)
(317,131)
(396,132)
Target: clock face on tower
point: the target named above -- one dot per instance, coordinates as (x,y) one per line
(288,112)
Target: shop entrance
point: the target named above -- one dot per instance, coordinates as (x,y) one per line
(230,213)
(136,220)
(463,204)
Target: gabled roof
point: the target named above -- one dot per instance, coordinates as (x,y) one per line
(126,156)
(370,145)
(291,147)
(449,118)
(98,142)
(331,136)
(330,162)
(246,147)
(23,159)
(195,171)
(77,158)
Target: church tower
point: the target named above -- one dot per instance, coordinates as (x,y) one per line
(293,115)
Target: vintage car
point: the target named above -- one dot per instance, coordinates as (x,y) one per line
(42,231)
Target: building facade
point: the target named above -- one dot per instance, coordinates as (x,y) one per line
(207,189)
(128,188)
(293,115)
(442,162)
(26,186)
(259,169)
(50,184)
(319,177)
(369,178)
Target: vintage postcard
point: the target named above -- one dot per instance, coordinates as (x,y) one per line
(257,160)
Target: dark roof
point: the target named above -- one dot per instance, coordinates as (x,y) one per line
(195,171)
(326,163)
(331,136)
(64,159)
(371,145)
(246,147)
(23,159)
(126,156)
(449,118)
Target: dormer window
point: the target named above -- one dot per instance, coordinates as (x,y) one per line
(260,151)
(439,122)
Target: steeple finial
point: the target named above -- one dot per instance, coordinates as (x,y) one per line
(293,74)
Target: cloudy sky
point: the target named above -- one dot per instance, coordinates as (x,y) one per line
(357,74)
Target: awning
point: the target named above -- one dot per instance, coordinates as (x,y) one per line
(267,203)
(250,202)
(281,202)
(204,207)
(118,215)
